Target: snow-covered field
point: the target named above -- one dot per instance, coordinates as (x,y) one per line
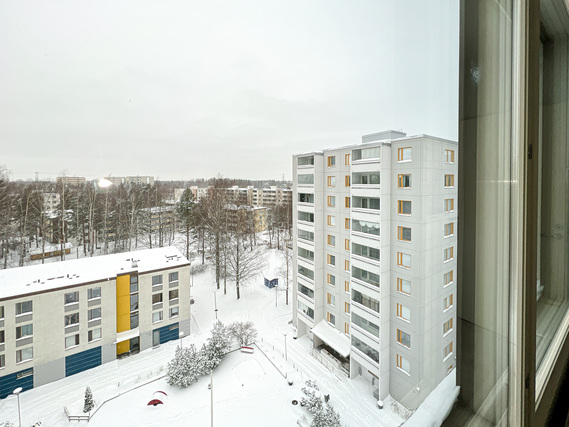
(249,389)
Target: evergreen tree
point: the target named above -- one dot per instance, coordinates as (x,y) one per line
(326,417)
(89,404)
(185,211)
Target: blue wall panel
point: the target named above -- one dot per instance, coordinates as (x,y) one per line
(169,333)
(82,361)
(8,383)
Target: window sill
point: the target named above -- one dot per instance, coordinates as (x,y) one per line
(96,318)
(94,299)
(95,340)
(24,361)
(73,324)
(173,317)
(22,314)
(447,309)
(405,320)
(447,333)
(157,321)
(73,346)
(404,371)
(403,345)
(447,357)
(21,338)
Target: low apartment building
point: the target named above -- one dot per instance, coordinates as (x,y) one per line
(62,318)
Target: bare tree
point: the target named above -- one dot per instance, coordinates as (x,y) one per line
(243,263)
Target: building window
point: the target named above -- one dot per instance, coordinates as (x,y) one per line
(72,341)
(303,271)
(404,207)
(366,153)
(305,309)
(448,302)
(71,298)
(346,328)
(347,244)
(366,301)
(331,240)
(173,295)
(369,351)
(305,216)
(133,302)
(156,298)
(404,180)
(447,351)
(347,307)
(366,178)
(404,154)
(305,198)
(306,235)
(347,223)
(403,260)
(365,251)
(94,313)
(2,361)
(71,319)
(347,202)
(449,229)
(330,279)
(157,316)
(347,265)
(366,203)
(448,278)
(447,326)
(331,161)
(403,338)
(448,254)
(133,284)
(24,354)
(306,179)
(449,181)
(94,293)
(331,220)
(306,254)
(306,161)
(449,156)
(330,299)
(173,277)
(1,311)
(366,227)
(346,286)
(347,180)
(403,364)
(174,312)
(133,320)
(347,159)
(404,233)
(94,334)
(331,181)
(331,201)
(156,280)
(449,205)
(331,318)
(403,286)
(365,276)
(23,331)
(403,312)
(330,259)
(2,337)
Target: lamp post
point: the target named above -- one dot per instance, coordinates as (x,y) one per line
(215,304)
(211,388)
(285,333)
(17,393)
(181,335)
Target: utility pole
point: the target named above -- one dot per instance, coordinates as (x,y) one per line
(211,388)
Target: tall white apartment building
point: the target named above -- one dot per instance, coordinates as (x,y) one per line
(375,260)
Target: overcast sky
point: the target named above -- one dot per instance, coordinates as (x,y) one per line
(189,89)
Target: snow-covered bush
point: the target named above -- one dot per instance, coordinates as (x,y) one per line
(324,414)
(184,369)
(216,346)
(88,401)
(244,332)
(326,417)
(312,399)
(7,424)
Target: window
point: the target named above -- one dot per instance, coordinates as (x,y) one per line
(447,351)
(156,280)
(449,205)
(331,161)
(448,302)
(133,320)
(2,361)
(347,244)
(133,302)
(347,265)
(347,223)
(403,364)
(449,156)
(365,276)
(173,294)
(306,179)
(365,202)
(94,313)
(346,307)
(24,331)
(330,279)
(305,309)
(365,251)
(403,286)
(448,254)
(94,334)
(305,290)
(366,178)
(157,316)
(330,259)
(403,260)
(448,278)
(347,202)
(365,227)
(24,354)
(331,220)
(2,337)
(346,286)
(72,341)
(347,180)
(331,201)
(449,229)
(306,235)
(71,298)
(303,271)
(403,338)
(369,351)
(347,159)
(404,180)
(331,181)
(305,198)
(305,216)
(404,233)
(404,154)
(331,318)
(133,284)
(94,293)
(330,299)
(404,207)
(346,328)
(331,240)
(1,311)
(156,298)
(71,319)
(174,311)
(447,326)
(173,277)
(306,254)
(365,324)
(365,301)
(403,312)
(449,180)
(366,153)
(306,161)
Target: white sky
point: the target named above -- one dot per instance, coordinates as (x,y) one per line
(187,89)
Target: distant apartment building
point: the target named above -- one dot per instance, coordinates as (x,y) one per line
(71,180)
(62,318)
(51,201)
(375,260)
(131,180)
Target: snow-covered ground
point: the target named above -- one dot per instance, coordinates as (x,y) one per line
(249,389)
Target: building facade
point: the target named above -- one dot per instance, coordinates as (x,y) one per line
(62,318)
(374,228)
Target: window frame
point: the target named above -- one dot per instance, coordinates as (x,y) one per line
(400,207)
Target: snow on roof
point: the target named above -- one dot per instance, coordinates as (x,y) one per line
(43,277)
(333,337)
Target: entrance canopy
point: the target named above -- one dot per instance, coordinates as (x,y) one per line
(333,337)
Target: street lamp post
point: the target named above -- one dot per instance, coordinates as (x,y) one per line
(17,393)
(285,333)
(181,335)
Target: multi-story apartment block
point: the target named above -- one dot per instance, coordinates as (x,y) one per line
(51,201)
(375,260)
(71,180)
(131,180)
(62,318)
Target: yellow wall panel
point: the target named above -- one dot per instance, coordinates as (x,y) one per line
(123,347)
(123,304)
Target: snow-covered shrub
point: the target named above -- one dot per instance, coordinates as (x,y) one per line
(216,346)
(7,424)
(88,401)
(312,399)
(326,417)
(324,414)
(244,332)
(178,372)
